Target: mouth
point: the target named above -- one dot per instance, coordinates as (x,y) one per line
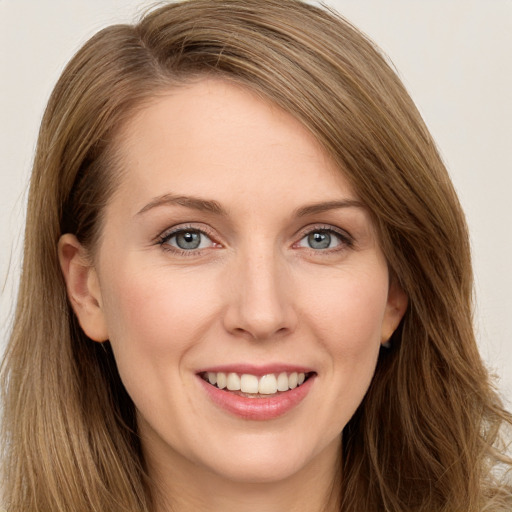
(256,386)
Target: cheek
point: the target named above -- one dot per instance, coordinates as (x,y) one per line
(151,315)
(349,311)
(347,321)
(154,321)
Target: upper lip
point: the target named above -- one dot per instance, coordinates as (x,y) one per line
(257,370)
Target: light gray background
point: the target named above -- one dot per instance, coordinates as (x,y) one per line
(455,57)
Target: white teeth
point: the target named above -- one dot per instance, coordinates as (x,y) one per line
(282,382)
(265,385)
(233,382)
(221,380)
(268,384)
(249,383)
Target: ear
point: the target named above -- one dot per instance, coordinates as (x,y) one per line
(395,310)
(82,287)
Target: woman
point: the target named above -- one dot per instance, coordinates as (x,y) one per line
(246,282)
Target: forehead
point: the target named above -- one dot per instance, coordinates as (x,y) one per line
(212,136)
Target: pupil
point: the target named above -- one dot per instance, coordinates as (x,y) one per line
(188,240)
(319,240)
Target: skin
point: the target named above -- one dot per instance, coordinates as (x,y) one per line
(255,292)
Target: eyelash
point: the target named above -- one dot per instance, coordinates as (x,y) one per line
(345,239)
(163,240)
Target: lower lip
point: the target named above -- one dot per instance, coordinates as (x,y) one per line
(259,409)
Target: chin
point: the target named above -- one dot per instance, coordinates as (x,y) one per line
(262,471)
(268,461)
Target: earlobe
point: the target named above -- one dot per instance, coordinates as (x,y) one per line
(395,310)
(82,287)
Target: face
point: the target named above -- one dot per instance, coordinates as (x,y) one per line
(241,285)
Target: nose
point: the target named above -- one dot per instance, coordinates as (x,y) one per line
(260,303)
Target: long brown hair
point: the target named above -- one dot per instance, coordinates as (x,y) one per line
(427,435)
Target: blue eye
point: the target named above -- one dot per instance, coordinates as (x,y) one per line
(187,240)
(322,239)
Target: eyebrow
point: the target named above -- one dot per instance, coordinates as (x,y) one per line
(326,206)
(195,203)
(211,206)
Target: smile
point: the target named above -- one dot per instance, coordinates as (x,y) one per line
(257,395)
(253,386)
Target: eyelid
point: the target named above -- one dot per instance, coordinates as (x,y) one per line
(346,239)
(167,234)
